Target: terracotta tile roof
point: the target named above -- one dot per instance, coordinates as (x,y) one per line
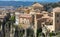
(57,9)
(25,16)
(44,12)
(37,5)
(42,19)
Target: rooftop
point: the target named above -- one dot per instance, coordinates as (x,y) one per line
(37,5)
(57,9)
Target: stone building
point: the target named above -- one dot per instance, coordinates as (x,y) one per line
(56,19)
(40,16)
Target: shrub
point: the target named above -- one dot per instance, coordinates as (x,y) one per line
(52,34)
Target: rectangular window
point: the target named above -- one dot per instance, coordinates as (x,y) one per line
(21,20)
(25,21)
(57,15)
(49,23)
(57,21)
(0,13)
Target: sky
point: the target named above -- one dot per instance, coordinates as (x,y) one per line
(34,0)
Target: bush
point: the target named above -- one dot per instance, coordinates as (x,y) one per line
(12,18)
(52,34)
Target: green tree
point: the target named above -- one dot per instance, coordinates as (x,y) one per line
(12,18)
